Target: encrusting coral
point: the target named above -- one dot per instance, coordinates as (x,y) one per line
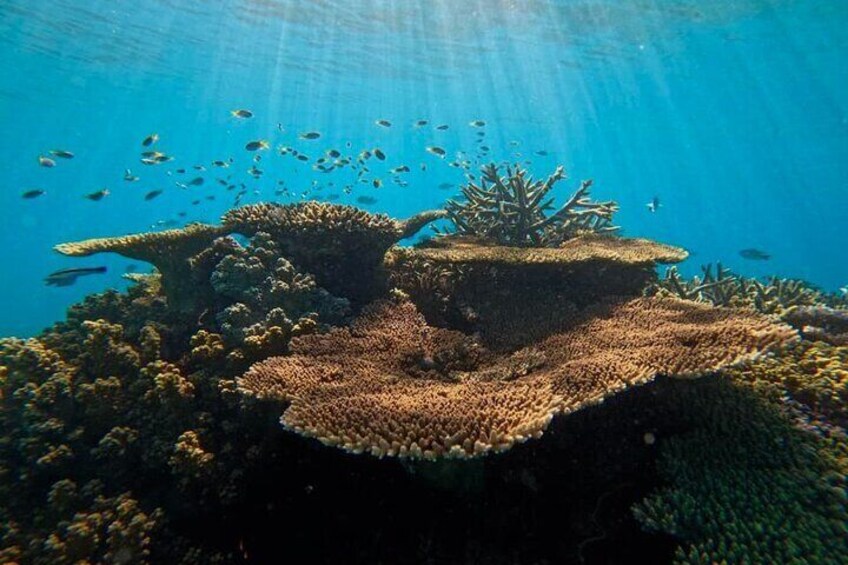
(392,385)
(512,210)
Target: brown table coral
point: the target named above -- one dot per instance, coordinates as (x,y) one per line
(392,385)
(474,285)
(341,246)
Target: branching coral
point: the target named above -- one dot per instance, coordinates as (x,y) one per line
(512,210)
(391,385)
(722,287)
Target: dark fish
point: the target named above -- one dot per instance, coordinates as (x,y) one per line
(99,195)
(542,153)
(210,197)
(129,177)
(476,123)
(46,162)
(401,169)
(367,200)
(302,157)
(181,171)
(436,151)
(310,135)
(67,277)
(257,145)
(384,123)
(654,204)
(243,114)
(379,155)
(445,185)
(163,158)
(152,194)
(61,153)
(754,254)
(30,194)
(333,153)
(196,181)
(420,123)
(220,163)
(377,183)
(481,134)
(199,168)
(442,127)
(150,139)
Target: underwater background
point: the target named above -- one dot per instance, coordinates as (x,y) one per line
(501,282)
(732,113)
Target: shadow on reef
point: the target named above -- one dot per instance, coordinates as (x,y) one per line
(627,421)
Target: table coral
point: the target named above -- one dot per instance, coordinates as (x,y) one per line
(471,284)
(392,385)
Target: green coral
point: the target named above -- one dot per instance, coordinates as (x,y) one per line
(747,483)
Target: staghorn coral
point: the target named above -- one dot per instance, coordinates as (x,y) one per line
(170,251)
(465,283)
(722,287)
(391,385)
(511,210)
(341,246)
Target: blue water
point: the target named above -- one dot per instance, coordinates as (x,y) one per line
(733,113)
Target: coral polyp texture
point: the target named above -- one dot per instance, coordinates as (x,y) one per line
(476,285)
(513,209)
(392,385)
(341,246)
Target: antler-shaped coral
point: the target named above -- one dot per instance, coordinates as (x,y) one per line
(511,210)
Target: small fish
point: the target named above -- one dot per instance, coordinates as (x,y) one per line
(30,194)
(302,157)
(436,150)
(542,153)
(383,123)
(420,123)
(199,168)
(442,127)
(196,181)
(400,169)
(129,177)
(310,135)
(367,200)
(476,123)
(654,204)
(67,277)
(222,164)
(150,139)
(334,154)
(259,144)
(754,254)
(61,153)
(99,195)
(241,114)
(445,186)
(46,162)
(379,154)
(152,154)
(377,183)
(163,158)
(481,134)
(152,194)
(181,171)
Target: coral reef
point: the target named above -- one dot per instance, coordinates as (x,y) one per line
(391,385)
(744,484)
(722,287)
(341,246)
(512,210)
(819,323)
(170,251)
(466,283)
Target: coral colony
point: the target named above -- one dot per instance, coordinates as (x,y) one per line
(147,418)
